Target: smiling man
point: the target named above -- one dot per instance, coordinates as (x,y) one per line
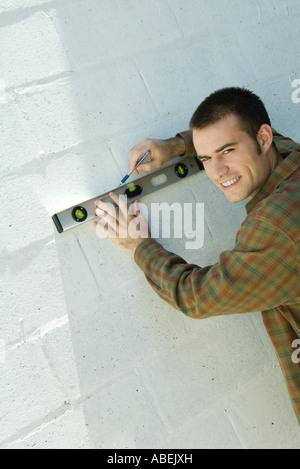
(230,132)
(239,167)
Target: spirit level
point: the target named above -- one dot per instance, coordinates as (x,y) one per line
(146,185)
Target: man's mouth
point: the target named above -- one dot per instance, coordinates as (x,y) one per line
(231,182)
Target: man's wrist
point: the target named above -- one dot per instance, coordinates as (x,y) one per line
(136,243)
(145,250)
(177,146)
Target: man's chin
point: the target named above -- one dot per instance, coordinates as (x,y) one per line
(235,198)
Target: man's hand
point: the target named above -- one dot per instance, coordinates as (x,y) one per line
(124,224)
(161,152)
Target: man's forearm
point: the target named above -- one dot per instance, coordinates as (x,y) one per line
(177,145)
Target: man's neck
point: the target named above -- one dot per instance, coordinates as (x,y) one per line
(274,157)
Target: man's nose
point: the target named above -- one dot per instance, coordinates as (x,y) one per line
(218,168)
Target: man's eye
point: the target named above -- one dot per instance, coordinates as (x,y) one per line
(203,159)
(228,151)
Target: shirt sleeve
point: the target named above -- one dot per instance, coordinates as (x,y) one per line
(260,273)
(188,139)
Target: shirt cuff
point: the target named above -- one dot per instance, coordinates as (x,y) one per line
(145,250)
(188,139)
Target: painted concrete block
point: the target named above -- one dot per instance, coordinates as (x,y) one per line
(105,256)
(78,279)
(213,357)
(273,61)
(124,329)
(116,28)
(26,219)
(80,174)
(20,150)
(181,76)
(52,114)
(29,390)
(261,412)
(10,5)
(277,95)
(202,18)
(159,128)
(30,50)
(218,434)
(254,13)
(129,421)
(58,348)
(67,431)
(70,111)
(31,292)
(199,17)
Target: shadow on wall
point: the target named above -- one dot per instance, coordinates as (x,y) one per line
(125,339)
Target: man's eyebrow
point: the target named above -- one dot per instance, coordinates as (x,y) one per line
(230,144)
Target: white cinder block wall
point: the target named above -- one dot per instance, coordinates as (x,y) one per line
(90,357)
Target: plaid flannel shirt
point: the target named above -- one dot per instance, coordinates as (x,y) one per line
(261,273)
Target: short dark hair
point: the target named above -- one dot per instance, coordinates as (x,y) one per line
(234,100)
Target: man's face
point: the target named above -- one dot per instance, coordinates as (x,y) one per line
(231,158)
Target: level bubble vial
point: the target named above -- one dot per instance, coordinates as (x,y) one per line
(181,170)
(133,191)
(79,214)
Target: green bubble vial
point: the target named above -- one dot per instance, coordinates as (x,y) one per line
(79,214)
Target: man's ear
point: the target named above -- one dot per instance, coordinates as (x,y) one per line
(265,137)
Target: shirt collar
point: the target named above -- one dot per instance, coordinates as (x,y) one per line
(282,171)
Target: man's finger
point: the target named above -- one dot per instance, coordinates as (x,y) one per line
(106,207)
(111,219)
(147,167)
(107,228)
(114,197)
(121,202)
(134,208)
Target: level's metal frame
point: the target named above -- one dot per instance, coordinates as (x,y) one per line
(147,184)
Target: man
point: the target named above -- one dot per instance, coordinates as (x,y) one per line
(231,134)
